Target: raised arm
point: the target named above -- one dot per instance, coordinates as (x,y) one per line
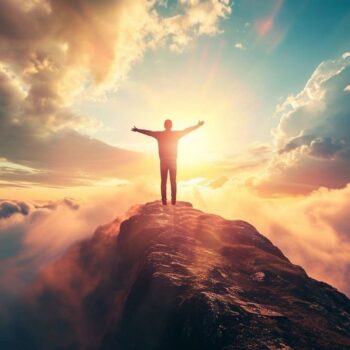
(143,131)
(190,129)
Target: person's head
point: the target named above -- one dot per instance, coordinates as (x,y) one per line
(168,124)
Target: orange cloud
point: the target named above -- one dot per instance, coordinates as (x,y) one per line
(312,231)
(54,52)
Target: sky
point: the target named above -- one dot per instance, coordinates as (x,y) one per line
(271,80)
(247,67)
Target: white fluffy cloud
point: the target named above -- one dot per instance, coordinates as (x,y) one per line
(312,138)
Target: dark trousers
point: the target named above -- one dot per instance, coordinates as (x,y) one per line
(168,165)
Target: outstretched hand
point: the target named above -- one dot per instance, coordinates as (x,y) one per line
(200,123)
(134,128)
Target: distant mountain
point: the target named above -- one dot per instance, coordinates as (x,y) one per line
(177,278)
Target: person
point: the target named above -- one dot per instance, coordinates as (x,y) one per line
(167,147)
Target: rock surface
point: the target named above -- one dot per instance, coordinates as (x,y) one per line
(177,278)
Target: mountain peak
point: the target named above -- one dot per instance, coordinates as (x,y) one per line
(174,277)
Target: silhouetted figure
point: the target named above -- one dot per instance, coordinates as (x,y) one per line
(167,146)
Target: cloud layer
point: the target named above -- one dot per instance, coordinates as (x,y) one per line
(312,231)
(33,234)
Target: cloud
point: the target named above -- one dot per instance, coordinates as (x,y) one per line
(312,231)
(312,138)
(33,234)
(55,52)
(217,183)
(200,17)
(60,157)
(56,45)
(256,157)
(9,208)
(239,46)
(19,218)
(53,205)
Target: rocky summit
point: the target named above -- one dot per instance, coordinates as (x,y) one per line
(174,277)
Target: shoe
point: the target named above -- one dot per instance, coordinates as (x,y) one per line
(164,201)
(173,201)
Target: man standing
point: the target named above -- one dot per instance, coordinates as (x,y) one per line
(167,146)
